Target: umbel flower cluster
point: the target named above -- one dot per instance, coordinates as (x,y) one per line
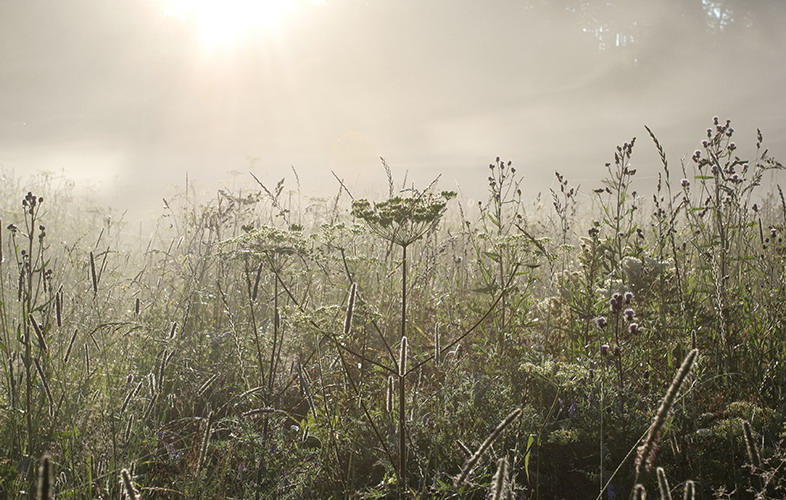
(403,220)
(274,245)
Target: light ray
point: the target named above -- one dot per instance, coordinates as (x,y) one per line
(224,23)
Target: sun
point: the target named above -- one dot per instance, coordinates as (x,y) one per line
(224,23)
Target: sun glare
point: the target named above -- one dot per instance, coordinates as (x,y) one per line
(222,23)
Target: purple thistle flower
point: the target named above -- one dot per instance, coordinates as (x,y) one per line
(629,313)
(685,183)
(604,349)
(773,232)
(633,328)
(601,321)
(628,297)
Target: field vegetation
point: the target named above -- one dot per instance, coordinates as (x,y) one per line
(595,344)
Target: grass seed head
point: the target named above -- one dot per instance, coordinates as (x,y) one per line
(402,357)
(647,450)
(663,484)
(129,492)
(45,481)
(750,444)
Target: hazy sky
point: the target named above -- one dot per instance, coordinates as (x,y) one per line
(131,94)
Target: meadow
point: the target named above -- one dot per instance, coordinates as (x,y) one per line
(595,343)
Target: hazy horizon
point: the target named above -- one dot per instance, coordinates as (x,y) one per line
(131,96)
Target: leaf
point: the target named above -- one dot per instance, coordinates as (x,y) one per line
(493,256)
(486,289)
(530,443)
(493,220)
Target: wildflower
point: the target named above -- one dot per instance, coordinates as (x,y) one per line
(732,146)
(735,178)
(715,170)
(601,322)
(633,328)
(403,220)
(773,232)
(705,143)
(628,297)
(685,183)
(629,313)
(604,349)
(614,305)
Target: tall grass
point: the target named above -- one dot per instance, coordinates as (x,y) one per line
(260,344)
